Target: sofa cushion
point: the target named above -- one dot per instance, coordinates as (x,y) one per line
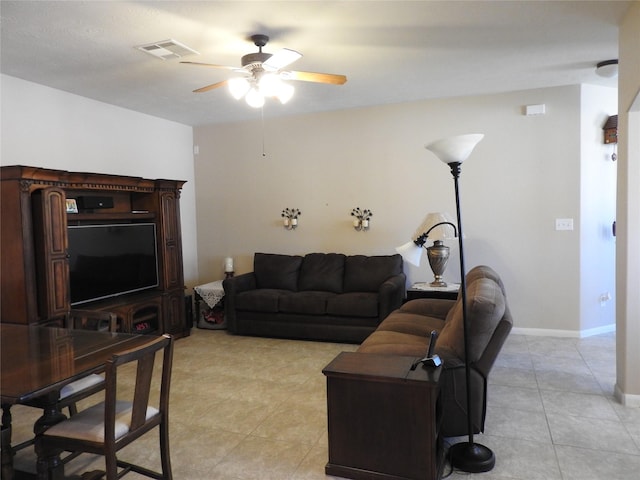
(276,271)
(260,300)
(310,303)
(411,323)
(395,343)
(366,274)
(355,304)
(485,306)
(322,272)
(430,307)
(483,271)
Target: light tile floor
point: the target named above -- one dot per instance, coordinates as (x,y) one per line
(255,409)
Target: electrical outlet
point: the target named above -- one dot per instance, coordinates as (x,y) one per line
(564,223)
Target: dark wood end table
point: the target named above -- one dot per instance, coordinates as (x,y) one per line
(384,418)
(424,290)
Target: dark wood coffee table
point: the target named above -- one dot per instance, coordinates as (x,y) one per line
(384,418)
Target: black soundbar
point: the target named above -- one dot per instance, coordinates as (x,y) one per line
(94,203)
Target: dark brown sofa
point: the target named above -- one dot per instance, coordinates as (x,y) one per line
(319,296)
(406,331)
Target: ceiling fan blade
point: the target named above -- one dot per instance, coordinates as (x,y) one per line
(213,65)
(315,77)
(281,59)
(211,87)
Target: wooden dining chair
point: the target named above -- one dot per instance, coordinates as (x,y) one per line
(75,391)
(85,387)
(110,425)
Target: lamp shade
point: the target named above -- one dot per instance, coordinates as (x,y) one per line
(285,92)
(269,84)
(455,149)
(254,98)
(238,86)
(411,252)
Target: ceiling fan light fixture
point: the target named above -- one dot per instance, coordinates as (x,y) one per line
(285,93)
(269,84)
(238,87)
(264,77)
(254,98)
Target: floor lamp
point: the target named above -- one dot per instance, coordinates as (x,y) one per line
(466,456)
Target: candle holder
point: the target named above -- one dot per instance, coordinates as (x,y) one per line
(228,267)
(290,218)
(361,221)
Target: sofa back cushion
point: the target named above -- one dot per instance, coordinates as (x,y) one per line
(322,272)
(485,308)
(366,274)
(482,271)
(276,271)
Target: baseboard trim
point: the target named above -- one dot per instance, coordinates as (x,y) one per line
(626,399)
(550,332)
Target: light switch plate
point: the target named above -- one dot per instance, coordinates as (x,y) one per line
(564,223)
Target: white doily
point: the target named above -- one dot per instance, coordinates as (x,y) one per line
(211,293)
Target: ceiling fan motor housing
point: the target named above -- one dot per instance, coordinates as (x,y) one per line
(255,58)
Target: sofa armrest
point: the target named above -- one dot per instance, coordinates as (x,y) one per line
(488,358)
(431,307)
(391,294)
(239,283)
(232,287)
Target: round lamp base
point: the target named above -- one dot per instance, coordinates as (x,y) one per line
(472,457)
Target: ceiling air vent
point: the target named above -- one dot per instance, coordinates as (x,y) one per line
(167,49)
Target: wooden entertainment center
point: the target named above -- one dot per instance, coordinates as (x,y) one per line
(37,207)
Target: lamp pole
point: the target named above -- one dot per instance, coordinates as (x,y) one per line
(467,456)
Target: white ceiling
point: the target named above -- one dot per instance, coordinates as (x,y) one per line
(390,51)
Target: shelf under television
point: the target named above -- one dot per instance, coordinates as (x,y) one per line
(78,218)
(138,312)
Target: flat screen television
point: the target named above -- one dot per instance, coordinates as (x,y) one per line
(110,260)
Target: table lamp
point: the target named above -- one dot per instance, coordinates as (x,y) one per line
(438,227)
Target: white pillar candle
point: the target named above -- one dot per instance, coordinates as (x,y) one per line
(228,264)
(356,222)
(365,223)
(294,221)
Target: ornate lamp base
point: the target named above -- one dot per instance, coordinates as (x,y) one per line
(438,255)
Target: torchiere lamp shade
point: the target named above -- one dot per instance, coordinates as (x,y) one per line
(455,149)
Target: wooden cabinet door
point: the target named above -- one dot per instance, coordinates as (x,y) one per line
(174,314)
(52,259)
(18,302)
(170,235)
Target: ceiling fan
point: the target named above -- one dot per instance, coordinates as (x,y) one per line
(263,75)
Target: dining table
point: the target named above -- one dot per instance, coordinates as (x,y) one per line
(36,362)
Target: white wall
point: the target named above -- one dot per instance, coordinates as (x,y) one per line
(520,178)
(597,211)
(48,128)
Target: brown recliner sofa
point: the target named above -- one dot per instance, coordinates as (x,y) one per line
(406,331)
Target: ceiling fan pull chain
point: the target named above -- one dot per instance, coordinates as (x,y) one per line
(262,118)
